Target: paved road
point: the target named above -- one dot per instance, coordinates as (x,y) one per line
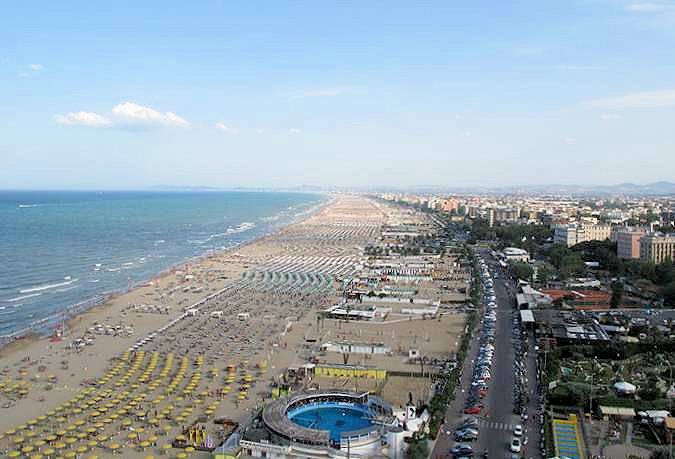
(499,420)
(454,414)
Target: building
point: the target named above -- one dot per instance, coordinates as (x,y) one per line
(573,234)
(449,205)
(657,247)
(515,254)
(628,243)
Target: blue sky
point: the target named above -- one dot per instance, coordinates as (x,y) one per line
(133,94)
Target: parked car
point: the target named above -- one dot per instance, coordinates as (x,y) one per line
(515,445)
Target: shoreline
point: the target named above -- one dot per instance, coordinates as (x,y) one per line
(39,329)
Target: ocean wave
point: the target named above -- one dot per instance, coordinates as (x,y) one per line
(22,297)
(28,206)
(40,288)
(61,290)
(241,228)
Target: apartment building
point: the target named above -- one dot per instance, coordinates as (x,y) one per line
(657,247)
(628,242)
(573,234)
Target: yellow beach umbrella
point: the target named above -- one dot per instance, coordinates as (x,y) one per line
(92,443)
(59,445)
(13,454)
(81,449)
(27,449)
(48,451)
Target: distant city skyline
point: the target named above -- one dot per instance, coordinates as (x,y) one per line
(346,94)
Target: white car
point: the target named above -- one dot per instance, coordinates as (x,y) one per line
(518,430)
(515,445)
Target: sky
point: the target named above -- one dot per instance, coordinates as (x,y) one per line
(129,95)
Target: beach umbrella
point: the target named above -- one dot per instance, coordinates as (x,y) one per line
(27,449)
(81,435)
(13,454)
(70,440)
(36,456)
(92,443)
(181,455)
(189,449)
(144,444)
(31,434)
(39,443)
(81,449)
(70,454)
(18,440)
(48,451)
(50,437)
(114,446)
(59,445)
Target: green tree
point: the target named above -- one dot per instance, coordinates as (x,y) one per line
(522,270)
(544,274)
(617,294)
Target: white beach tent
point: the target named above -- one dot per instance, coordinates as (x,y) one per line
(623,387)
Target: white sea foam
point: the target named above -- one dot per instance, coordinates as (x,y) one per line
(27,206)
(241,228)
(22,297)
(40,288)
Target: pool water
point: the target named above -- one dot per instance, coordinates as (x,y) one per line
(334,418)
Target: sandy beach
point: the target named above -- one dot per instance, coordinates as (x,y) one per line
(88,393)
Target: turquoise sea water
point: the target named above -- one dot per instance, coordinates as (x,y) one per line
(58,249)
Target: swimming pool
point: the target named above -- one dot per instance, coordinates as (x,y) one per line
(336,418)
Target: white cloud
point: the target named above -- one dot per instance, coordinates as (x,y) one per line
(295,131)
(610,116)
(36,67)
(646,99)
(650,7)
(228,129)
(570,140)
(126,114)
(132,113)
(83,119)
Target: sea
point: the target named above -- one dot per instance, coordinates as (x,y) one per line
(64,251)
